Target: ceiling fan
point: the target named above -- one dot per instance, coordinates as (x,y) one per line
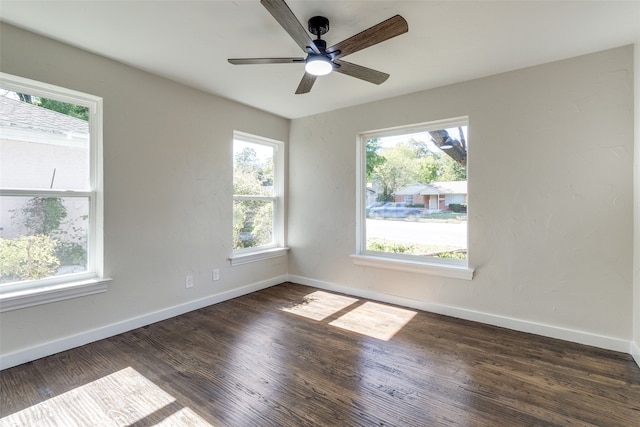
(321,59)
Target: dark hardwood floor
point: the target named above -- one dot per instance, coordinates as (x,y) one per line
(292,355)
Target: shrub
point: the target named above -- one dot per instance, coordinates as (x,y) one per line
(452,255)
(458,207)
(71,253)
(395,247)
(28,258)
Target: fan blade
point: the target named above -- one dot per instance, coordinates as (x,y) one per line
(378,33)
(306,83)
(360,72)
(246,61)
(288,21)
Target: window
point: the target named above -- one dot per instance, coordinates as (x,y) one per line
(257,199)
(417,176)
(51,200)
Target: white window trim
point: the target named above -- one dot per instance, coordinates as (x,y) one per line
(29,293)
(278,247)
(423,265)
(260,255)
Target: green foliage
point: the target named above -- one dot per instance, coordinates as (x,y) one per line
(252,223)
(373,158)
(71,253)
(51,242)
(252,219)
(27,258)
(73,110)
(263,225)
(408,162)
(430,169)
(450,170)
(388,246)
(452,255)
(399,170)
(458,207)
(407,248)
(42,215)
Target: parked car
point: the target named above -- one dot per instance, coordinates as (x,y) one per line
(396,210)
(371,206)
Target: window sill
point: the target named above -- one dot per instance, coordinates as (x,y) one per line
(421,267)
(246,258)
(14,300)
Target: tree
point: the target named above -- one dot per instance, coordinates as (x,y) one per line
(27,258)
(430,168)
(73,110)
(400,169)
(456,149)
(373,159)
(252,219)
(450,170)
(42,215)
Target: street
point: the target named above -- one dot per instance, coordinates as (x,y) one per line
(438,233)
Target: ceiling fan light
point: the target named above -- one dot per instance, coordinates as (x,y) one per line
(318,65)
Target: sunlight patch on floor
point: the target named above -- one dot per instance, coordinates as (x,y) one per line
(120,399)
(375,320)
(184,417)
(319,305)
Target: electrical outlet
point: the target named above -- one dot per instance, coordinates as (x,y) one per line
(189,282)
(216,274)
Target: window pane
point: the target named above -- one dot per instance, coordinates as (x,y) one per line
(253,173)
(44,144)
(416,194)
(42,237)
(252,223)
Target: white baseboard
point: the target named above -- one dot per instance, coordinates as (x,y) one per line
(67,343)
(594,340)
(635,352)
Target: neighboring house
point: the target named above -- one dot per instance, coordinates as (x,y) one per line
(435,196)
(62,143)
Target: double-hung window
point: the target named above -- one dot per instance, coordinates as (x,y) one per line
(258,220)
(412,212)
(50,193)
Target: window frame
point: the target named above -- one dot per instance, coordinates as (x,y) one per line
(459,269)
(278,246)
(16,295)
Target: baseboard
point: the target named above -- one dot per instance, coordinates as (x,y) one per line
(67,343)
(635,352)
(476,316)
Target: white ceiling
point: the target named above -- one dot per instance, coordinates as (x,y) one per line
(448,42)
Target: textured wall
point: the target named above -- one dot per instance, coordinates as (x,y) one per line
(550,194)
(167,182)
(636,228)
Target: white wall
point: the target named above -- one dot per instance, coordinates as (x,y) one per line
(550,215)
(635,347)
(550,199)
(168,214)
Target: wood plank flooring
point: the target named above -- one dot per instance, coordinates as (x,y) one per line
(293,355)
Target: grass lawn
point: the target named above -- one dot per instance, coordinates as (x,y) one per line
(441,251)
(445,217)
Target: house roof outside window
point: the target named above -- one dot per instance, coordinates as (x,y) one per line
(434,188)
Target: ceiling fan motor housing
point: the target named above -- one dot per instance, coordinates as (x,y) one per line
(318,25)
